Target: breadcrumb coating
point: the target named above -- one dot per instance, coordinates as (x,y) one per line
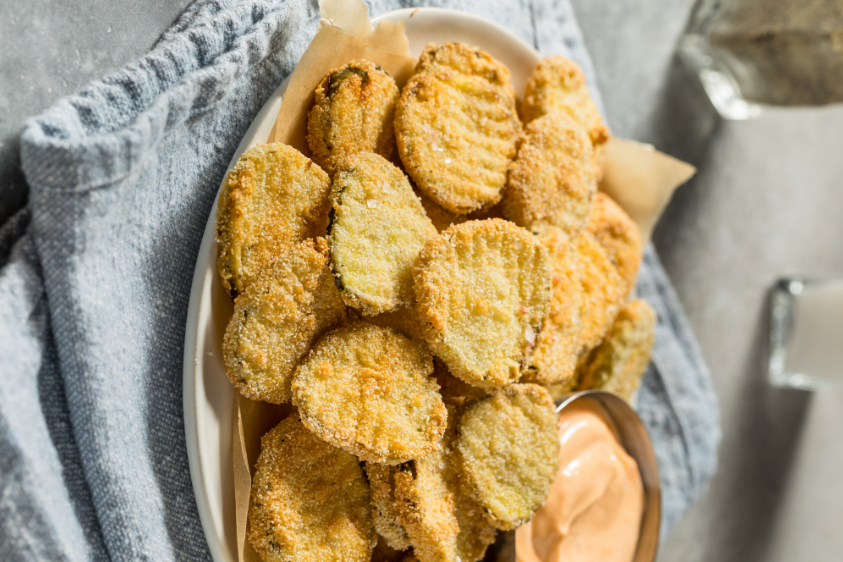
(456,127)
(557,85)
(444,522)
(368,390)
(276,320)
(554,358)
(618,364)
(378,228)
(483,291)
(552,181)
(274,197)
(309,501)
(509,447)
(618,235)
(353,111)
(384,512)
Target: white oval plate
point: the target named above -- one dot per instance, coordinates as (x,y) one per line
(208,395)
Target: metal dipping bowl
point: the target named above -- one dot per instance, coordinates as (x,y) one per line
(636,441)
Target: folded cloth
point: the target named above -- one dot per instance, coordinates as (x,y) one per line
(96,275)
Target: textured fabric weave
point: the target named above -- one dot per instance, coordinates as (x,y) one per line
(96,275)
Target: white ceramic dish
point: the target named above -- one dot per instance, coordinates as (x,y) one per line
(208,395)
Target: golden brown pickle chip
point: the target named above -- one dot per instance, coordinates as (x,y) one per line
(384,508)
(618,364)
(509,447)
(274,197)
(444,522)
(352,113)
(377,231)
(618,235)
(456,127)
(277,318)
(483,291)
(603,290)
(557,85)
(554,357)
(552,180)
(310,500)
(368,390)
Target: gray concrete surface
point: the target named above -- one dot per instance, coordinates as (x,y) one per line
(765,203)
(51,48)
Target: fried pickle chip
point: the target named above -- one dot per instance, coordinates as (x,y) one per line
(554,357)
(277,318)
(457,128)
(509,447)
(384,512)
(618,235)
(274,197)
(552,181)
(352,113)
(618,364)
(368,390)
(310,500)
(483,291)
(377,231)
(557,85)
(603,290)
(444,522)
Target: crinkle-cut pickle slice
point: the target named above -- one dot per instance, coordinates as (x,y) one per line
(456,127)
(616,232)
(378,228)
(274,197)
(384,511)
(437,508)
(552,180)
(368,390)
(483,291)
(509,447)
(277,318)
(353,111)
(618,364)
(554,358)
(309,500)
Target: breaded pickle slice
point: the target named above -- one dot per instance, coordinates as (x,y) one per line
(277,318)
(457,128)
(509,447)
(310,500)
(444,522)
(378,229)
(557,85)
(274,197)
(483,291)
(368,390)
(384,508)
(353,111)
(552,181)
(603,289)
(618,364)
(554,357)
(618,235)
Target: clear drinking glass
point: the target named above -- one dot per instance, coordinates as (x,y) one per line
(806,333)
(752,54)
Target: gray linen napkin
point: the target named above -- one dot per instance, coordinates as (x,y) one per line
(96,275)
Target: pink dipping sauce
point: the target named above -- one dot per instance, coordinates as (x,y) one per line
(594,510)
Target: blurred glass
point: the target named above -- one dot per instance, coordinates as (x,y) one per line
(806,333)
(750,54)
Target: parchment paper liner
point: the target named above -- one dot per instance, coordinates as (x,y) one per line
(640,178)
